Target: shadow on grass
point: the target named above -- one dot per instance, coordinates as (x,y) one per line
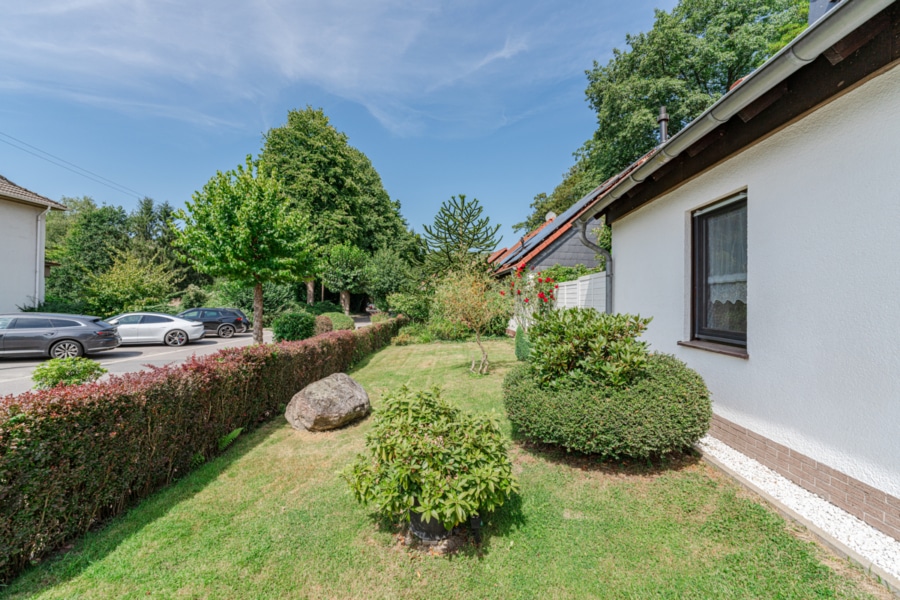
(72,559)
(589,462)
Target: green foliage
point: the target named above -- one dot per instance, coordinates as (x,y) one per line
(194,297)
(429,457)
(323,325)
(415,305)
(345,269)
(239,227)
(459,236)
(561,274)
(132,283)
(340,321)
(228,439)
(413,333)
(523,345)
(278,298)
(380,317)
(325,177)
(388,273)
(584,344)
(66,371)
(55,304)
(665,409)
(472,298)
(291,327)
(322,307)
(440,328)
(88,452)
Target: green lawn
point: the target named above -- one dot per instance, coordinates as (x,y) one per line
(271,519)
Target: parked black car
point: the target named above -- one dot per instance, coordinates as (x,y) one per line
(247,324)
(55,335)
(222,322)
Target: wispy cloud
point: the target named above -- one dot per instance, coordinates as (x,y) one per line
(419,66)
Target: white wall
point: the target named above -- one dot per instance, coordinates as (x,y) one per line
(17,244)
(823,296)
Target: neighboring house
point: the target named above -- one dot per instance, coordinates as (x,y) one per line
(22,221)
(764,240)
(554,242)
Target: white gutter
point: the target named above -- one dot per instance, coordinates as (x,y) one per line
(836,24)
(38,262)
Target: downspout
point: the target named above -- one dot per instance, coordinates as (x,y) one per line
(582,234)
(38,263)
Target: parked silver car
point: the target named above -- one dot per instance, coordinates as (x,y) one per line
(55,335)
(156,328)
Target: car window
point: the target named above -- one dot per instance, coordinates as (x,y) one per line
(191,314)
(210,314)
(32,323)
(64,323)
(129,320)
(4,322)
(154,319)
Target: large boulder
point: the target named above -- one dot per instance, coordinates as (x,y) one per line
(328,404)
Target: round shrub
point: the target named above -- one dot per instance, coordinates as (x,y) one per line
(323,324)
(416,306)
(324,306)
(67,371)
(294,326)
(340,321)
(665,408)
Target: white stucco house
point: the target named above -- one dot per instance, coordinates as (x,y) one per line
(764,240)
(22,222)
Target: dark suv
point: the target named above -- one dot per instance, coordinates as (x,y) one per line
(55,335)
(222,322)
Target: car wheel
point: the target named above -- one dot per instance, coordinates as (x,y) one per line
(176,337)
(225,331)
(243,329)
(66,349)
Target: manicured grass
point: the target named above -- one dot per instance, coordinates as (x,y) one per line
(272,519)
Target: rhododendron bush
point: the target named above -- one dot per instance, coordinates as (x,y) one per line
(74,456)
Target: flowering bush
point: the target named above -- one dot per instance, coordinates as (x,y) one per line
(532,294)
(72,457)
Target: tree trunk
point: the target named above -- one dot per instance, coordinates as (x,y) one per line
(323,292)
(311,292)
(345,301)
(483,367)
(258,313)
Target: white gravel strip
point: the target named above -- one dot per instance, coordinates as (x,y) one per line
(880,549)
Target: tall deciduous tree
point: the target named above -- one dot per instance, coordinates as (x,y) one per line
(459,235)
(686,62)
(334,183)
(345,270)
(239,227)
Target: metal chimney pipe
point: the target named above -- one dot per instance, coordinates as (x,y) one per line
(663,122)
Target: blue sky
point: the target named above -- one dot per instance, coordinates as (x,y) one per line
(480,98)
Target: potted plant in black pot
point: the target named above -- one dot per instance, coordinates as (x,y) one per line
(431,465)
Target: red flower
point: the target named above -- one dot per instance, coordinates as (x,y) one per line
(540,280)
(555,287)
(502,293)
(526,299)
(518,292)
(544,299)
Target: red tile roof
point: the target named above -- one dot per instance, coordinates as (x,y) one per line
(11,191)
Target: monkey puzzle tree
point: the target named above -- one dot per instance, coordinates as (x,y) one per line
(239,227)
(459,235)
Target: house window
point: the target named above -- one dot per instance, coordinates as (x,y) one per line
(720,272)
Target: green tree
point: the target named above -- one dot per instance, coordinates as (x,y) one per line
(472,297)
(132,283)
(459,235)
(334,183)
(240,228)
(389,273)
(345,270)
(686,62)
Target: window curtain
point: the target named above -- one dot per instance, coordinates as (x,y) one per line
(727,270)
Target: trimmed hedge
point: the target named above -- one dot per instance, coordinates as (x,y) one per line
(663,410)
(340,321)
(73,457)
(294,326)
(323,325)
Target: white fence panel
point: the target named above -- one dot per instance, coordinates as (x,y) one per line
(567,295)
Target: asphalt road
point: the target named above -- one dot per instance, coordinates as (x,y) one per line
(15,373)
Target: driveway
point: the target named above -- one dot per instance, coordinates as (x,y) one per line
(15,373)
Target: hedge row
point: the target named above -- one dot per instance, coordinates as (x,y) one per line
(73,457)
